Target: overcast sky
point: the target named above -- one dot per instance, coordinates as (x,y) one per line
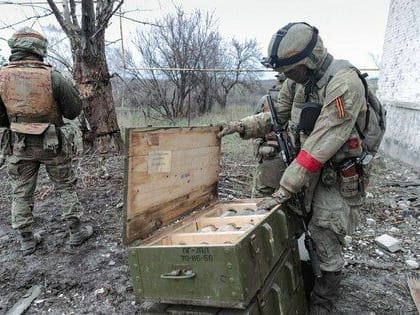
(350,29)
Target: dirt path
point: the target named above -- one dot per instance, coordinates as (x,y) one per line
(94,278)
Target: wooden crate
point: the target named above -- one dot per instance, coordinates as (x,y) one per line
(171,195)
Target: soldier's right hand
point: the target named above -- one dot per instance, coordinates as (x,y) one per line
(229,128)
(279,197)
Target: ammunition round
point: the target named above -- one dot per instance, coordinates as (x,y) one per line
(207,229)
(227,228)
(228,213)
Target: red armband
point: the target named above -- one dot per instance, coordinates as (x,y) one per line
(308,162)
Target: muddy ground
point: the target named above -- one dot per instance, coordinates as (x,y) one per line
(94,278)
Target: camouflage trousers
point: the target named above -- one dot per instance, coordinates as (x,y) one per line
(23,171)
(333,217)
(267,177)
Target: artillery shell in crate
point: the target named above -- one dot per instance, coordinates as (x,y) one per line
(245,212)
(207,229)
(227,228)
(228,213)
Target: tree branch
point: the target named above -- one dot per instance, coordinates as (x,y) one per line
(56,57)
(105,15)
(73,14)
(66,28)
(66,11)
(36,17)
(136,21)
(88,18)
(26,4)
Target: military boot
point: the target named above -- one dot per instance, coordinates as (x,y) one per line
(78,233)
(28,240)
(324,294)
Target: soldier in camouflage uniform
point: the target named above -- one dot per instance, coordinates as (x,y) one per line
(270,167)
(34,98)
(328,145)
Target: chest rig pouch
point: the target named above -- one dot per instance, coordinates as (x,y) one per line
(308,116)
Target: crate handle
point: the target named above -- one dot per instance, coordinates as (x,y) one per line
(269,229)
(178,274)
(279,297)
(292,274)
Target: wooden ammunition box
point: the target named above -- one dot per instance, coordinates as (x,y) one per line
(186,246)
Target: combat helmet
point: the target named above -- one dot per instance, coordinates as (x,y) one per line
(28,40)
(295,44)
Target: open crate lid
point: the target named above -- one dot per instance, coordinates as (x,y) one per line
(169,172)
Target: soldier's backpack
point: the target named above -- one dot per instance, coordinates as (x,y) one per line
(375,125)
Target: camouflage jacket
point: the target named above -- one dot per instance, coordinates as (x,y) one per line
(334,138)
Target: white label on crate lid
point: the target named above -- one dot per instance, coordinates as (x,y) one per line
(159,162)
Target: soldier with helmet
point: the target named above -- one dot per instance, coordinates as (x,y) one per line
(324,121)
(270,167)
(34,99)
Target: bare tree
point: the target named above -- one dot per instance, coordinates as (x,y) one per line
(195,64)
(181,42)
(90,70)
(238,55)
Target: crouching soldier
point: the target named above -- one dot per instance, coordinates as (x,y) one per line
(270,167)
(34,98)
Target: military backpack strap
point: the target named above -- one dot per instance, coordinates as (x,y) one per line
(365,85)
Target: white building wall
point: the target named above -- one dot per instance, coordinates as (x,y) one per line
(399,81)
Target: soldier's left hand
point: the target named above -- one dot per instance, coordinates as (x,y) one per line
(279,197)
(229,128)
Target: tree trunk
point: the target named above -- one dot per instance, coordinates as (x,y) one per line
(101,133)
(223,101)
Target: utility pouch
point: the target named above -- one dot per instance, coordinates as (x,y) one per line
(308,116)
(350,179)
(50,139)
(349,170)
(349,186)
(67,135)
(5,142)
(329,176)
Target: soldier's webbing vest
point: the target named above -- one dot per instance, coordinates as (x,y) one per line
(26,91)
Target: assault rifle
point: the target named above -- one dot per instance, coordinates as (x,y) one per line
(286,153)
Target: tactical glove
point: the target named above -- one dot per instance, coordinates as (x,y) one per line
(279,197)
(229,128)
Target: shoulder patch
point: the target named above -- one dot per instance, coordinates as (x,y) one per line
(334,102)
(334,91)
